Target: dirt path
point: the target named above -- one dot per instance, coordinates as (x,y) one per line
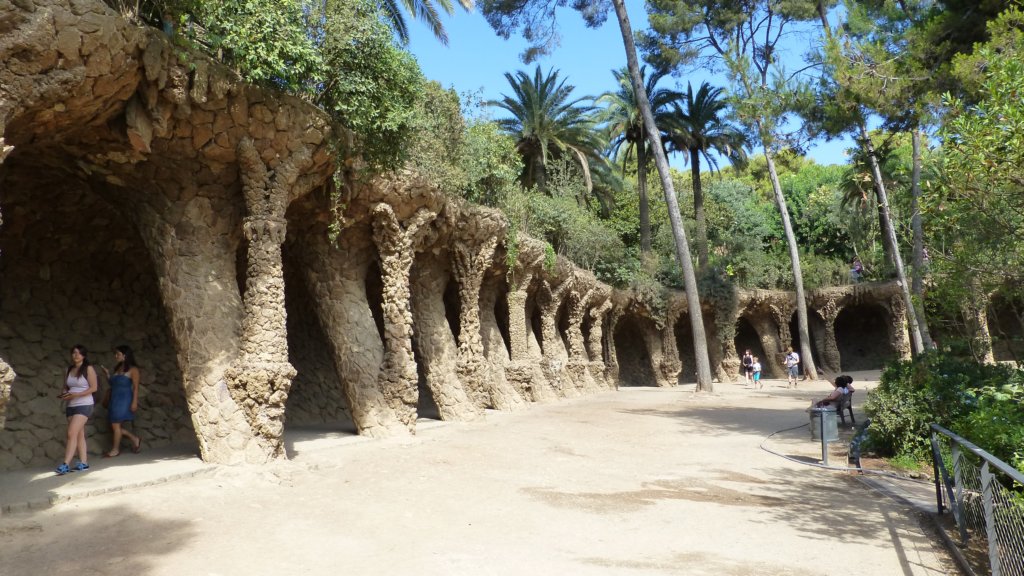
(640,481)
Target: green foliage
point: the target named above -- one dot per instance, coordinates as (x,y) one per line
(981,204)
(980,402)
(438,141)
(571,229)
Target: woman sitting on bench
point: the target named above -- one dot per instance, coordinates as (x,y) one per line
(843,386)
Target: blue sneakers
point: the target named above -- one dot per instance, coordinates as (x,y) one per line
(62,469)
(81,467)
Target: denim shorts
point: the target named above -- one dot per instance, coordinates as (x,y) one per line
(85,410)
(794,371)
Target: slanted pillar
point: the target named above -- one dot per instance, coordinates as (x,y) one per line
(396,244)
(550,300)
(260,377)
(595,339)
(192,245)
(782,315)
(579,365)
(471,262)
(670,365)
(524,370)
(828,347)
(435,342)
(336,277)
(611,359)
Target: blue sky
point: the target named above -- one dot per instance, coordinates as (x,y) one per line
(477,59)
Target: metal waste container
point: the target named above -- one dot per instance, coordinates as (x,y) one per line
(826,416)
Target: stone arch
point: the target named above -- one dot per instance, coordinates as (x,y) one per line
(634,359)
(794,336)
(862,336)
(748,338)
(78,272)
(684,344)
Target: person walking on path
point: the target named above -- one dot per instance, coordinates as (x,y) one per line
(747,362)
(792,366)
(122,399)
(756,369)
(79,386)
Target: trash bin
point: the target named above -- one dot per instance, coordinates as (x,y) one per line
(826,415)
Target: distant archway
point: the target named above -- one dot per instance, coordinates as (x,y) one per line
(748,339)
(632,354)
(862,336)
(684,345)
(1006,325)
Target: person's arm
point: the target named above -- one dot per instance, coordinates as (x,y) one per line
(134,373)
(90,377)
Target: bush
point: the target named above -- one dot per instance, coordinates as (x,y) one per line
(981,402)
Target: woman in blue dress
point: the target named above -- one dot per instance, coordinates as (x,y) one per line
(122,399)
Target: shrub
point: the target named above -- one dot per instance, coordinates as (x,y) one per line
(981,402)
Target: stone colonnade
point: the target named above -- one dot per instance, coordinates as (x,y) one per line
(221,186)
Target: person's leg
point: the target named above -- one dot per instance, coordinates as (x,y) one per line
(115,427)
(133,438)
(72,441)
(83,448)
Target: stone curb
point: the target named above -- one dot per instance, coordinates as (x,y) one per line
(54,499)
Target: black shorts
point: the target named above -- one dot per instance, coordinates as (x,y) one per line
(85,410)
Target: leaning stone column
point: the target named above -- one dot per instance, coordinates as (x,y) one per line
(612,360)
(436,343)
(524,371)
(471,262)
(579,365)
(336,278)
(553,365)
(595,342)
(768,334)
(829,348)
(259,379)
(192,248)
(670,365)
(396,244)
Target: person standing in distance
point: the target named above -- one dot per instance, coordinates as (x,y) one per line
(747,363)
(792,366)
(79,385)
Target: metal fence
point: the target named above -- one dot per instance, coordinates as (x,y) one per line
(986,497)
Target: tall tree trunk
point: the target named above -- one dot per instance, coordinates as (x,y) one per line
(891,245)
(806,358)
(698,210)
(917,283)
(700,342)
(645,209)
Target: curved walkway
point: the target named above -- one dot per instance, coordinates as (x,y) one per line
(639,481)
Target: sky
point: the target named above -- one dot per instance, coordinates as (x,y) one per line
(476,59)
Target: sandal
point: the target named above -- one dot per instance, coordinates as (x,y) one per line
(137,447)
(111,454)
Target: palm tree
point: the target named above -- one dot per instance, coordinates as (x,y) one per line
(625,126)
(425,10)
(698,128)
(547,123)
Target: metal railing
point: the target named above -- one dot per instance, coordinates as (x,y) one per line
(986,497)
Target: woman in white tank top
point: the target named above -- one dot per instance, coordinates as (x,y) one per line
(79,385)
